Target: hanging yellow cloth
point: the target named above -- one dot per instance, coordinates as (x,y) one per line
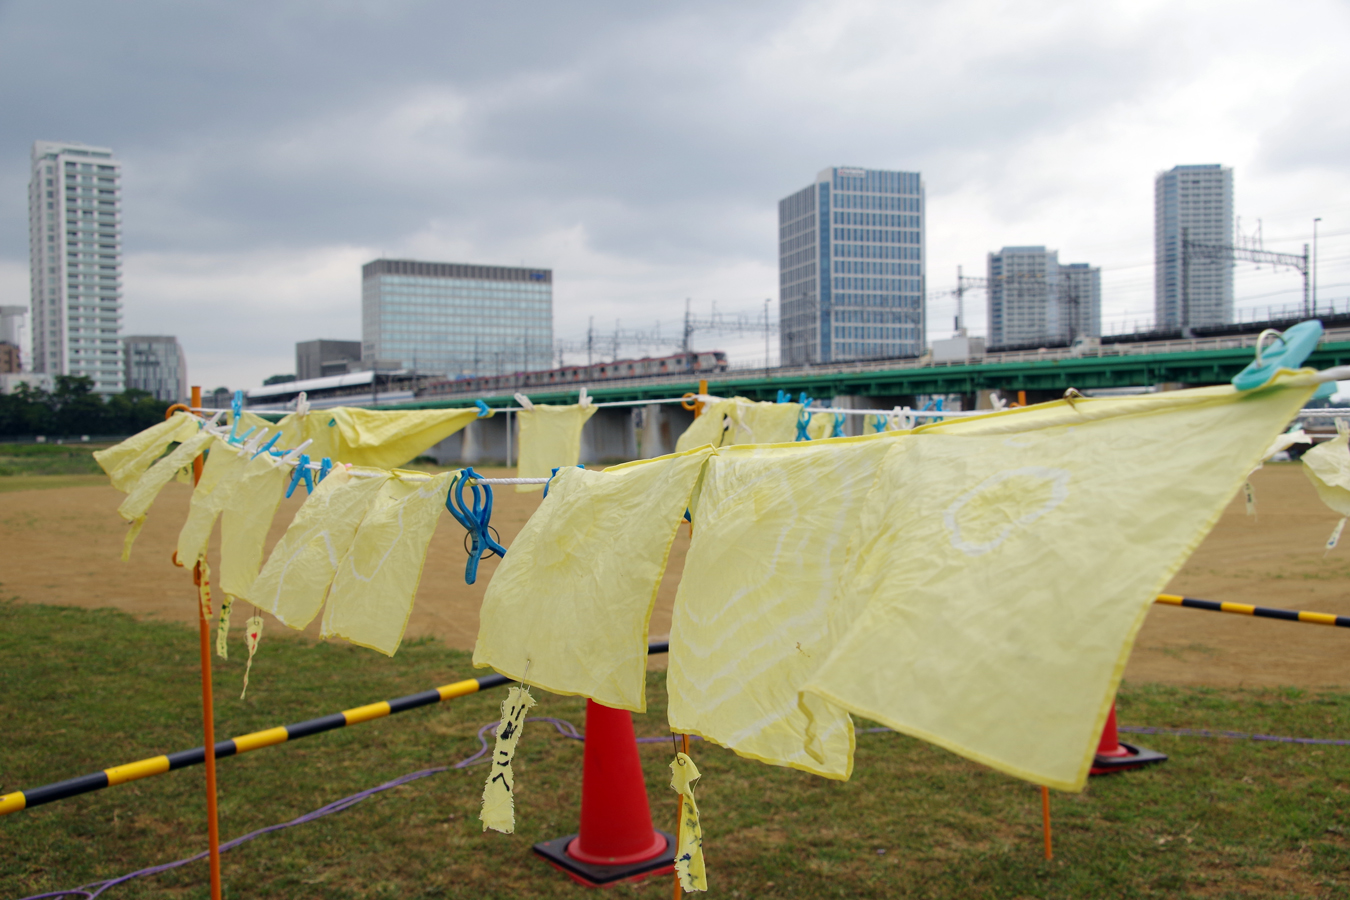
(708,427)
(289,426)
(821,427)
(762,423)
(1006,563)
(137,503)
(1327,466)
(372,593)
(550,437)
(295,580)
(126,462)
(569,605)
(757,609)
(381,439)
(245,494)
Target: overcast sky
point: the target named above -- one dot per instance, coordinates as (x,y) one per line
(270,149)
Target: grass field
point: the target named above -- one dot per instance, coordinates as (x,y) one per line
(84,689)
(48,459)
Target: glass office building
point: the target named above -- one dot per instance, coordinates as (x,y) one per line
(453,319)
(156,363)
(75,262)
(851,267)
(1196,201)
(1034,299)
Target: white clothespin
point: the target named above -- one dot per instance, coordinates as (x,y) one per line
(584,400)
(997,399)
(292,455)
(252,444)
(525,402)
(302,404)
(907,419)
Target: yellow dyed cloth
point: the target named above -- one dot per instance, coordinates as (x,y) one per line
(289,426)
(550,437)
(1327,466)
(126,462)
(137,503)
(1006,563)
(821,427)
(757,609)
(245,494)
(372,593)
(295,580)
(762,423)
(708,427)
(689,865)
(568,607)
(381,439)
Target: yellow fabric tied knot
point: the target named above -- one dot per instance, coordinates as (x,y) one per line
(223,627)
(689,844)
(252,635)
(499,808)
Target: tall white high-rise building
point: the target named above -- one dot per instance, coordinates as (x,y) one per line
(75,262)
(1197,202)
(1033,299)
(851,267)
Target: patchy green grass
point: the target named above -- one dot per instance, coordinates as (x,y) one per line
(48,459)
(82,690)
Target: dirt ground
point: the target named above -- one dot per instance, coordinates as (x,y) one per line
(62,545)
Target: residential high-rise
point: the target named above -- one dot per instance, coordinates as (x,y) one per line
(156,363)
(454,319)
(851,267)
(1196,201)
(1035,300)
(316,359)
(75,262)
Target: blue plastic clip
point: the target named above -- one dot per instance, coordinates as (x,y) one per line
(475,520)
(549,483)
(301,471)
(805,400)
(803,422)
(838,425)
(878,424)
(784,396)
(267,446)
(243,437)
(324,468)
(236,409)
(483,409)
(1295,345)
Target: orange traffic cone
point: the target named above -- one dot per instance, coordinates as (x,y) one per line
(617,841)
(1113,756)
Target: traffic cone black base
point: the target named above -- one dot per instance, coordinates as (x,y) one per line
(1137,759)
(555,854)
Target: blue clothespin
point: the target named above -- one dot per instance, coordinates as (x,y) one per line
(549,483)
(1293,348)
(475,520)
(838,425)
(243,437)
(301,471)
(267,446)
(878,424)
(803,422)
(483,409)
(324,468)
(784,396)
(805,400)
(236,408)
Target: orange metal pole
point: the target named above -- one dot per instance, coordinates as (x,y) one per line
(208,704)
(1045,820)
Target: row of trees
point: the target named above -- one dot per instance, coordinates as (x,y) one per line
(73,409)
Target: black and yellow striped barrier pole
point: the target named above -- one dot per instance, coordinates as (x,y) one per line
(158,765)
(1263,612)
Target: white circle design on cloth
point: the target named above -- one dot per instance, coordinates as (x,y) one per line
(1047,489)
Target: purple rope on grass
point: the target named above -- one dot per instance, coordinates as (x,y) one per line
(1235,735)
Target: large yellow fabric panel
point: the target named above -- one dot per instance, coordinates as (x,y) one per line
(1006,568)
(224,465)
(550,437)
(295,580)
(757,609)
(567,609)
(372,593)
(384,439)
(821,427)
(707,427)
(137,503)
(126,462)
(762,423)
(246,518)
(1328,468)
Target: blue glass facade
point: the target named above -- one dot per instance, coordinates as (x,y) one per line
(851,267)
(452,319)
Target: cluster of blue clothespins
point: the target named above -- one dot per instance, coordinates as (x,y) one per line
(475,519)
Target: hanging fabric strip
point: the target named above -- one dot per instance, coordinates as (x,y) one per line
(499,808)
(689,844)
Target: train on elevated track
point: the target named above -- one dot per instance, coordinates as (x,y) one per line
(700,363)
